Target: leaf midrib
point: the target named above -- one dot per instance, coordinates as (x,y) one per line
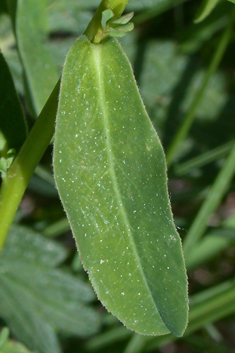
(97,64)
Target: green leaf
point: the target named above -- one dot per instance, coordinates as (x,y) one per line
(123,20)
(211,202)
(192,40)
(12,123)
(74,15)
(120,31)
(206,7)
(40,71)
(207,306)
(13,347)
(116,28)
(36,298)
(35,248)
(111,174)
(106,16)
(179,77)
(203,159)
(8,48)
(4,335)
(210,246)
(111,336)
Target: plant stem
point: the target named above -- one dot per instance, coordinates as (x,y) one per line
(21,170)
(94,28)
(183,130)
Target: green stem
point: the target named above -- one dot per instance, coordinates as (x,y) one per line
(21,170)
(183,130)
(94,30)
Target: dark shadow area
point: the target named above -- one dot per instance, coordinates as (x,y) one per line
(174,116)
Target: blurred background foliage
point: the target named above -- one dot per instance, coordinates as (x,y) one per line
(46,302)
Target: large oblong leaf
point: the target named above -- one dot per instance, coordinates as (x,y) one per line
(111,174)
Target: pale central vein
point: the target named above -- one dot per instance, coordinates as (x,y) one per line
(97,61)
(105,116)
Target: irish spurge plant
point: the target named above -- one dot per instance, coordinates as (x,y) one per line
(110,172)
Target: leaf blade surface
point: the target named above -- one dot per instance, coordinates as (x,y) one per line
(111,174)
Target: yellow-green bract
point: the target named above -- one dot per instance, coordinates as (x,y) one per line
(111,175)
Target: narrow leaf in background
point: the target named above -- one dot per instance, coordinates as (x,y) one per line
(206,7)
(13,129)
(111,174)
(220,186)
(41,74)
